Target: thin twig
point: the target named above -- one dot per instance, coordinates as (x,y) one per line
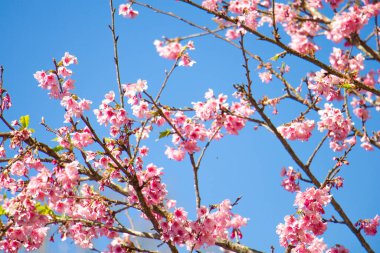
(115,51)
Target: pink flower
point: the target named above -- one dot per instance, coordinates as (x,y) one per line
(338,249)
(171,50)
(69,175)
(180,213)
(68,59)
(361,113)
(250,19)
(19,168)
(266,76)
(367,146)
(290,182)
(64,72)
(126,11)
(74,107)
(303,45)
(234,124)
(175,154)
(109,97)
(141,110)
(186,61)
(346,23)
(190,146)
(132,90)
(297,130)
(241,6)
(82,139)
(366,143)
(338,59)
(2,151)
(144,151)
(211,4)
(332,120)
(334,3)
(369,225)
(317,246)
(234,33)
(312,200)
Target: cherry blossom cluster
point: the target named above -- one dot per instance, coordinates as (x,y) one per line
(360,109)
(192,130)
(338,249)
(212,224)
(301,32)
(18,136)
(50,80)
(6,102)
(323,84)
(297,130)
(173,50)
(369,225)
(340,60)
(121,245)
(28,228)
(74,107)
(44,186)
(152,188)
(45,198)
(126,11)
(351,22)
(290,182)
(265,76)
(59,84)
(113,115)
(301,233)
(337,126)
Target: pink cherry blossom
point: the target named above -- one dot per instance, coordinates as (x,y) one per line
(175,154)
(211,4)
(346,23)
(370,225)
(69,59)
(126,11)
(338,249)
(265,77)
(297,130)
(332,120)
(290,181)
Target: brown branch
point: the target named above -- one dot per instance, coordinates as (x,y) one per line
(310,160)
(235,247)
(115,51)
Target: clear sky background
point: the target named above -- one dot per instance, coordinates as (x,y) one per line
(247,165)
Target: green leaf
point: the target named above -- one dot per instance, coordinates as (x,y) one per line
(24,120)
(2,211)
(275,58)
(58,148)
(44,209)
(165,133)
(107,140)
(155,113)
(346,86)
(278,56)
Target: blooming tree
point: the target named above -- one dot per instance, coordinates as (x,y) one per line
(84,183)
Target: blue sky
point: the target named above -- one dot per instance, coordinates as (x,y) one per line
(248,165)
